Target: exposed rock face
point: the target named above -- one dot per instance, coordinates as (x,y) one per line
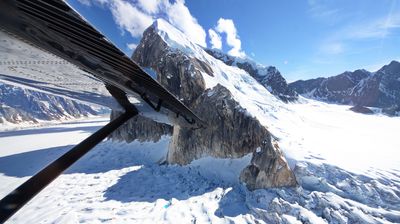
(231,131)
(175,70)
(268,168)
(392,111)
(361,110)
(379,89)
(140,128)
(21,105)
(268,76)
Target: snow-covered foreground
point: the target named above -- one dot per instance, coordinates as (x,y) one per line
(25,151)
(124,183)
(116,182)
(347,164)
(320,132)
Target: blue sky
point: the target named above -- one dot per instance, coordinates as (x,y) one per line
(303,39)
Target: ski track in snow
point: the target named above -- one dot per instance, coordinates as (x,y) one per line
(124,183)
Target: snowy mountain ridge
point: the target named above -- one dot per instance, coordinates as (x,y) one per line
(268,76)
(360,88)
(262,70)
(242,85)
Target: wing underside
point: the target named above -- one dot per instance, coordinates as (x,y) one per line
(55,27)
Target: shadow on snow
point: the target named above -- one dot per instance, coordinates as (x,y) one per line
(147,184)
(35,131)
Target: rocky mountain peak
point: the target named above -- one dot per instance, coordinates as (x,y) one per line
(174,38)
(224,96)
(393,67)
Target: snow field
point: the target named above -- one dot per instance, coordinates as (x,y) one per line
(125,183)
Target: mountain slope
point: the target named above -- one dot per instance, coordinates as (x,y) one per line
(381,90)
(268,76)
(362,88)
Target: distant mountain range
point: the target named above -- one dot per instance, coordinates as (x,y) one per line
(37,86)
(18,104)
(361,88)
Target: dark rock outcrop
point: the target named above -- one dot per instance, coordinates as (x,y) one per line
(230,132)
(361,110)
(268,168)
(139,128)
(269,76)
(175,70)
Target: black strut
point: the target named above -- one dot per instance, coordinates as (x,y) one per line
(25,192)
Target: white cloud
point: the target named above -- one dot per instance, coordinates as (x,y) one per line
(91,2)
(135,17)
(131,46)
(332,48)
(130,18)
(378,28)
(85,2)
(323,11)
(215,39)
(179,16)
(371,27)
(149,6)
(232,39)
